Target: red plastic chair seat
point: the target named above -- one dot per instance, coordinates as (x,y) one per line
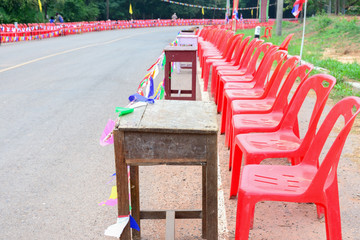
(259,180)
(268,111)
(242,107)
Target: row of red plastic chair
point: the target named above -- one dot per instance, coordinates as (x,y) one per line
(259,122)
(33,31)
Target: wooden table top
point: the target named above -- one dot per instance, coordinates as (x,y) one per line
(173,116)
(186,36)
(180,48)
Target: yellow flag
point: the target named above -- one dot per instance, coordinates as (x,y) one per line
(40,6)
(252,12)
(202,11)
(130,9)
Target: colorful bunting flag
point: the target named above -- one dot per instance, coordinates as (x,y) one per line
(112,201)
(107,137)
(133,223)
(123,111)
(130,9)
(116,229)
(40,6)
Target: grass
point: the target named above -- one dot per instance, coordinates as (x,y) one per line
(324,32)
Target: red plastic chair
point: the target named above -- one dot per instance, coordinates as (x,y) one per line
(210,37)
(210,42)
(284,143)
(260,85)
(219,49)
(235,56)
(239,61)
(259,81)
(213,42)
(305,182)
(265,114)
(246,73)
(271,92)
(239,66)
(284,45)
(229,51)
(267,33)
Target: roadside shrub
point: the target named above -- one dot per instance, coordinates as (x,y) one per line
(353,10)
(321,22)
(350,26)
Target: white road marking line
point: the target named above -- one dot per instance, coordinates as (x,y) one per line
(67,51)
(222,224)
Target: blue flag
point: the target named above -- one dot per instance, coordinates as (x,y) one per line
(133,224)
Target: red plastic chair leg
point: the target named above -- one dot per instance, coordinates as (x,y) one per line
(206,76)
(223,113)
(332,216)
(244,217)
(235,171)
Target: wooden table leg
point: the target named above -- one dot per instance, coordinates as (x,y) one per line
(121,181)
(135,199)
(167,80)
(211,189)
(193,80)
(203,169)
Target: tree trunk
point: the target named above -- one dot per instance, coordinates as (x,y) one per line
(329,7)
(337,6)
(279,16)
(107,9)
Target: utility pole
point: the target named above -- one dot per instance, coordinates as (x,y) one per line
(279,16)
(107,9)
(227,14)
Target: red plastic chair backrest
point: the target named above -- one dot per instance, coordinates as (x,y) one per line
(246,56)
(348,108)
(275,81)
(219,37)
(281,99)
(284,45)
(234,42)
(227,42)
(239,51)
(264,70)
(210,35)
(322,85)
(222,46)
(252,66)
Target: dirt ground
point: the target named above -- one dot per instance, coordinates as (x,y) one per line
(345,53)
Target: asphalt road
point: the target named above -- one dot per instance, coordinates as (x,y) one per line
(56,96)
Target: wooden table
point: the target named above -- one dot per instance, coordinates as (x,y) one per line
(180,54)
(171,133)
(187,40)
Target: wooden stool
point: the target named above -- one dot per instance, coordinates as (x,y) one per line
(180,54)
